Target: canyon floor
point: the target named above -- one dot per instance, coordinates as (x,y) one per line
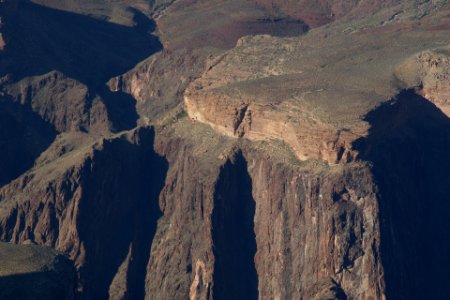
(238,149)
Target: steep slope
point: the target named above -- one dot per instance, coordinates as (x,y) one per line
(87,202)
(21,142)
(118,12)
(84,48)
(406,144)
(43,68)
(299,98)
(285,166)
(328,214)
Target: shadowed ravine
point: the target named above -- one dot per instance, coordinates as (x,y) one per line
(119,212)
(21,142)
(41,40)
(408,145)
(51,286)
(224,166)
(234,241)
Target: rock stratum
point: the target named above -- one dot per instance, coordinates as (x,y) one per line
(225,149)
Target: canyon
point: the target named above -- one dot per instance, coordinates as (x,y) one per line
(239,149)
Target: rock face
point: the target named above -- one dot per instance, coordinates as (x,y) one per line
(268,88)
(326,215)
(396,155)
(70,212)
(291,165)
(431,71)
(235,218)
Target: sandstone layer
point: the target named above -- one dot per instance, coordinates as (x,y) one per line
(313,92)
(245,156)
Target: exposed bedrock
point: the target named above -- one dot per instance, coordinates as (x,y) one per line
(288,175)
(308,139)
(246,226)
(408,145)
(304,232)
(429,70)
(84,48)
(181,266)
(349,231)
(221,23)
(118,216)
(158,83)
(65,82)
(317,13)
(101,211)
(314,226)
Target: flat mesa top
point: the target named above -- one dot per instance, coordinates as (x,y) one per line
(342,70)
(330,77)
(23,259)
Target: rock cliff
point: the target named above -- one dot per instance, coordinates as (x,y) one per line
(251,158)
(293,89)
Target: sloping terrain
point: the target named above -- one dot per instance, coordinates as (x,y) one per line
(231,149)
(194,24)
(35,272)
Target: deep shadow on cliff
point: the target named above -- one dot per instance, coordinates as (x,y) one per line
(23,136)
(119,211)
(45,285)
(408,146)
(233,233)
(41,39)
(121,108)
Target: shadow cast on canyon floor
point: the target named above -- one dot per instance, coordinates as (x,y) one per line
(23,136)
(235,275)
(41,39)
(121,108)
(409,145)
(118,216)
(37,285)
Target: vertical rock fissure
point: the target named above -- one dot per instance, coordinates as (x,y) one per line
(235,275)
(146,218)
(118,212)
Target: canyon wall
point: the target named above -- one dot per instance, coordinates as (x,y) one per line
(312,166)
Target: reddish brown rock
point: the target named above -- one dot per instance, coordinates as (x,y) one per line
(301,167)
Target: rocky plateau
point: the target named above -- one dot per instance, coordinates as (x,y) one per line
(237,149)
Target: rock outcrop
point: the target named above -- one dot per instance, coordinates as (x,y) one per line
(314,97)
(430,70)
(285,166)
(59,203)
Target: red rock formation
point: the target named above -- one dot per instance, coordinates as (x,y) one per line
(285,168)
